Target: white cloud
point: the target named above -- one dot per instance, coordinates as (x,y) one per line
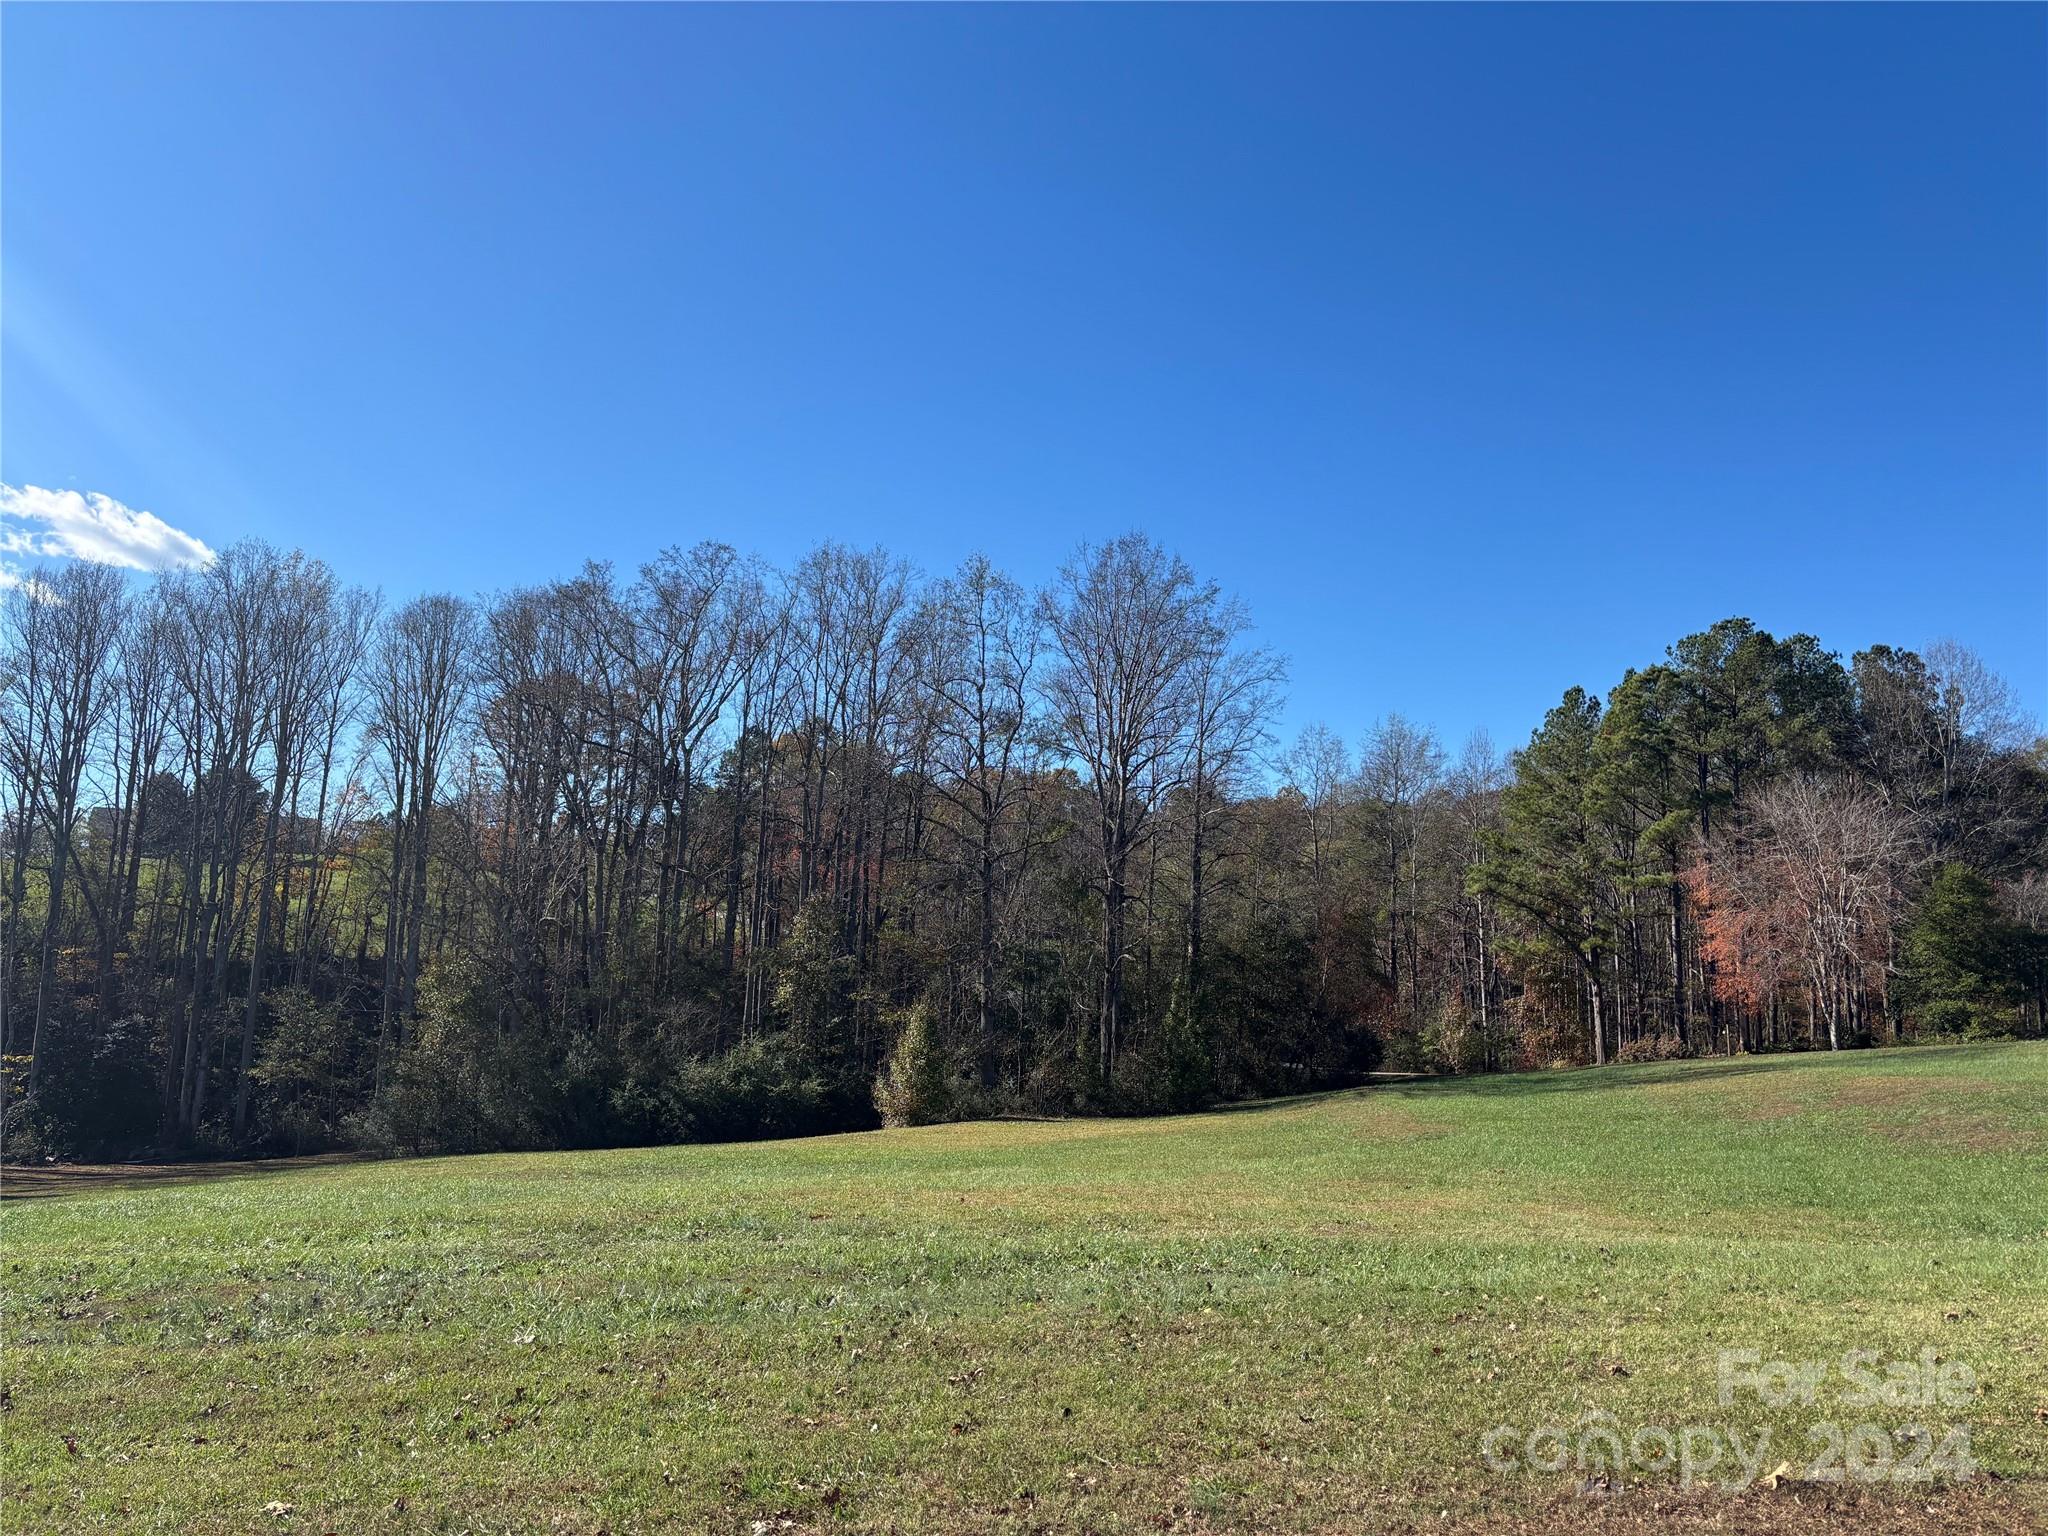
(40,524)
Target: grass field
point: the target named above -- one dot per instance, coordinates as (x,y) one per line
(1303,1315)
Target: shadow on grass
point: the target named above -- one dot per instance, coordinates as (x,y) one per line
(1708,1069)
(1594,1080)
(1522,1084)
(40,1181)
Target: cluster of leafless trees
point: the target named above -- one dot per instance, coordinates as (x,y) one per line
(693,850)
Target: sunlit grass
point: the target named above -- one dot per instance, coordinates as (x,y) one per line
(1272,1316)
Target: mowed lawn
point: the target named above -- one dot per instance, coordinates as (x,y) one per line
(1302,1315)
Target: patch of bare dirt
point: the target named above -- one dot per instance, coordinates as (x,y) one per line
(1905,1092)
(1961,1133)
(1933,1112)
(1922,1111)
(1763,1107)
(1396,1122)
(1743,1100)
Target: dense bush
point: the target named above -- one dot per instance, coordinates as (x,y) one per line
(1964,968)
(916,1088)
(463,1081)
(1186,1071)
(475,1077)
(766,1086)
(306,1070)
(97,1096)
(1659,1047)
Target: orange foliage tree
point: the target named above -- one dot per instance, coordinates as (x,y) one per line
(1804,896)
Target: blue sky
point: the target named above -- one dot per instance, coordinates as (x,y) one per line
(1482,351)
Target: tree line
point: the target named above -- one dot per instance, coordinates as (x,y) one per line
(710,849)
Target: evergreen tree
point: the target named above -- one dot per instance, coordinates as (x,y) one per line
(1959,957)
(1547,861)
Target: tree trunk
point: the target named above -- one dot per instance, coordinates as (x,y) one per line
(257,947)
(985,960)
(59,858)
(1594,993)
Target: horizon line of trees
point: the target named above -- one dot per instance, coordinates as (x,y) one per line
(713,850)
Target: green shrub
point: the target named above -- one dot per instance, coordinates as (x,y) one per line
(306,1069)
(468,1079)
(814,979)
(1186,1065)
(97,1097)
(764,1086)
(1961,963)
(1658,1047)
(915,1088)
(1957,1018)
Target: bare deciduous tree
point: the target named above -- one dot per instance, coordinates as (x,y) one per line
(982,640)
(78,632)
(1127,624)
(420,689)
